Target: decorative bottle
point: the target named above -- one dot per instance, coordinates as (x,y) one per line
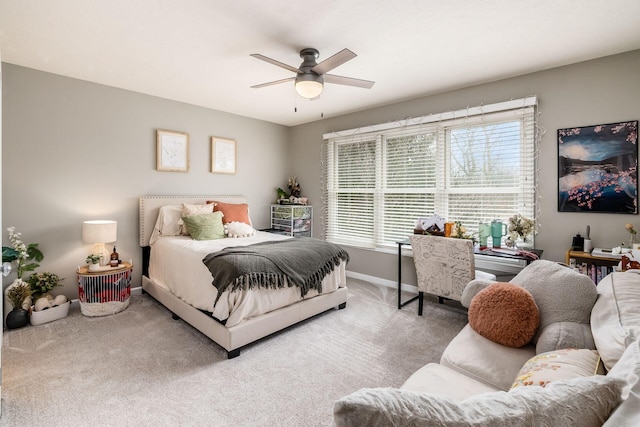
(115,258)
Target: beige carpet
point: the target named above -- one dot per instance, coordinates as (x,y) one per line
(140,367)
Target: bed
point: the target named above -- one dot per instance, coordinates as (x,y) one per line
(174,274)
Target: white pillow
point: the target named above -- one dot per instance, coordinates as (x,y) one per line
(615,317)
(627,369)
(584,401)
(167,223)
(238,229)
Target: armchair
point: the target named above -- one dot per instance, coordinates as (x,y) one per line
(444,266)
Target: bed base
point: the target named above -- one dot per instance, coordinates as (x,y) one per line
(248,331)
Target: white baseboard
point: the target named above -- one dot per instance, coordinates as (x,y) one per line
(382,282)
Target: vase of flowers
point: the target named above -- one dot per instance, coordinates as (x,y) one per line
(520,230)
(17,295)
(26,258)
(460,232)
(294,187)
(632,235)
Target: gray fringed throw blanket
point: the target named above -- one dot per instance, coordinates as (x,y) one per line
(301,261)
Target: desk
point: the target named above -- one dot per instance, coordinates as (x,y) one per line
(400,244)
(487,252)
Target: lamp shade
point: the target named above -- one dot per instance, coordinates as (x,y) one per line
(99,231)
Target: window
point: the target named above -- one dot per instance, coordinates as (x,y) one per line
(381,179)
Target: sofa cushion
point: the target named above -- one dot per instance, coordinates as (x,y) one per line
(545,368)
(504,313)
(585,401)
(562,295)
(484,360)
(560,335)
(440,380)
(472,289)
(615,318)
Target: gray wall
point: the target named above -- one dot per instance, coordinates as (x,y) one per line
(600,91)
(75,151)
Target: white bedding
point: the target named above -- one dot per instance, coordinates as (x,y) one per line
(176,264)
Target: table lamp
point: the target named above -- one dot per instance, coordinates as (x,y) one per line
(100,232)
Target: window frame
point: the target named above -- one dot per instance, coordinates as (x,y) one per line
(441,125)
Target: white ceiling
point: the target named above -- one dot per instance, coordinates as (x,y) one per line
(197,51)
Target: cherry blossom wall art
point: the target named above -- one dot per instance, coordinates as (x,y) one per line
(598,168)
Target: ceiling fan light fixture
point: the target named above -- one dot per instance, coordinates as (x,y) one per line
(309,85)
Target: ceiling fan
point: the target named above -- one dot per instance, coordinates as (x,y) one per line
(311,76)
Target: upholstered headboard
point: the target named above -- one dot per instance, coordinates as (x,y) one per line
(149,206)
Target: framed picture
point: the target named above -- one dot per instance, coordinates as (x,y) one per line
(172,151)
(598,168)
(223,155)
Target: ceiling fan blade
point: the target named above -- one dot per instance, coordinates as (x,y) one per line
(290,79)
(334,61)
(348,81)
(274,62)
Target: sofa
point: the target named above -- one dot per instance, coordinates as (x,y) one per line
(579,365)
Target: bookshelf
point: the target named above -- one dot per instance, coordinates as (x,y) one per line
(593,266)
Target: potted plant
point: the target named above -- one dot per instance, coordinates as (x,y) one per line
(282,195)
(18,317)
(43,283)
(26,258)
(93,261)
(46,308)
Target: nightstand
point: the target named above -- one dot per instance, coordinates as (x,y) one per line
(104,292)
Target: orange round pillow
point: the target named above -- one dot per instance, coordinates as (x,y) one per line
(504,313)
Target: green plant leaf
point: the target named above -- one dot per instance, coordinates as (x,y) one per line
(30,267)
(9,254)
(34,253)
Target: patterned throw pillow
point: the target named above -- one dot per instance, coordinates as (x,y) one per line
(568,363)
(205,226)
(188,210)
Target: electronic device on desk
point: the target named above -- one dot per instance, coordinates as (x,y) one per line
(608,253)
(577,244)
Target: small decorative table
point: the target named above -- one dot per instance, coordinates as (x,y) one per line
(104,292)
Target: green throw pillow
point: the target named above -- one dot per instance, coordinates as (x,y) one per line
(205,226)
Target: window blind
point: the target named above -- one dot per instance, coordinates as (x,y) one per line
(474,168)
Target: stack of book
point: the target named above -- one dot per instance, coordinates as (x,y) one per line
(595,272)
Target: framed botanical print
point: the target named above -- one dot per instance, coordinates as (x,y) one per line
(223,155)
(172,152)
(598,168)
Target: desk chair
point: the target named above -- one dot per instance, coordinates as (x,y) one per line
(444,266)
